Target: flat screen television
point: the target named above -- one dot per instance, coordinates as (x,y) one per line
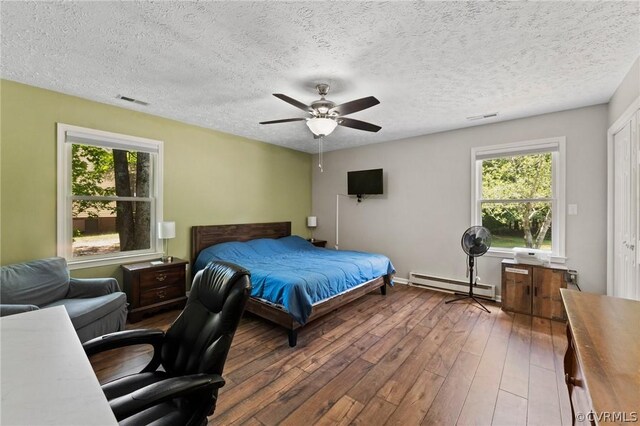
(364,182)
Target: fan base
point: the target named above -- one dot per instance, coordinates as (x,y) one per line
(466,296)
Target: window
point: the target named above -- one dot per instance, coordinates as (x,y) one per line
(109,196)
(518,194)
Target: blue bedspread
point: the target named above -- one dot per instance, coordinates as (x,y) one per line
(295,274)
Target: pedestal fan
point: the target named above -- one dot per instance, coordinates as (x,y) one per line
(475,242)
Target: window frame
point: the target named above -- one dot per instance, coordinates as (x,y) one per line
(557,147)
(64,218)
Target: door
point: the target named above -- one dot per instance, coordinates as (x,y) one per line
(625,205)
(547,302)
(516,290)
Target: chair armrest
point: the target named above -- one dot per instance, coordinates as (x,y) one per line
(124,338)
(156,393)
(6,310)
(82,288)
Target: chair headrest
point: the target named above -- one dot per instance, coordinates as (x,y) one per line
(212,284)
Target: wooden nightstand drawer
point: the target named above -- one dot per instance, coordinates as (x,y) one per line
(152,287)
(161,294)
(161,277)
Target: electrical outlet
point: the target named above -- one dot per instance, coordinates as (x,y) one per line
(572,210)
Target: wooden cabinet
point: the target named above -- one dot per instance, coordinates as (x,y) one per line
(318,243)
(533,289)
(151,287)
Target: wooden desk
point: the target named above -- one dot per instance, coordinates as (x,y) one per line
(46,377)
(602,363)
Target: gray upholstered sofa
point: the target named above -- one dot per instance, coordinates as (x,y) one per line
(96,306)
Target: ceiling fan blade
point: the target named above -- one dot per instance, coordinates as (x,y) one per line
(355,106)
(293,102)
(285,120)
(357,124)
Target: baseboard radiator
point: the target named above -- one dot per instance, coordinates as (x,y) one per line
(450,285)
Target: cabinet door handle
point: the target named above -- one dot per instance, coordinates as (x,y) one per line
(162,294)
(161,277)
(535,291)
(528,291)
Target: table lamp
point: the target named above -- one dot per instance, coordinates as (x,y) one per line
(312,223)
(166,231)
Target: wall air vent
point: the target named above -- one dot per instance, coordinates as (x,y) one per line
(482,117)
(135,101)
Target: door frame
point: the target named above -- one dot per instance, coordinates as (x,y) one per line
(617,126)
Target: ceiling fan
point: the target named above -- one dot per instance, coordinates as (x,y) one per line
(324,116)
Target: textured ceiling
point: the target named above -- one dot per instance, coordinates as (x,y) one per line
(431,64)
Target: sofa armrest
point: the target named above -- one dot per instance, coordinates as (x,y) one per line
(6,310)
(82,288)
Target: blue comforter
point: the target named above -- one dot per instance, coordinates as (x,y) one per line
(295,274)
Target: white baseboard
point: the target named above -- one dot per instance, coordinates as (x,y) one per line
(498,298)
(403,281)
(449,285)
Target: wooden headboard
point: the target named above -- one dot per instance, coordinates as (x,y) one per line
(208,235)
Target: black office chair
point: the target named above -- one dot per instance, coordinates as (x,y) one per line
(192,354)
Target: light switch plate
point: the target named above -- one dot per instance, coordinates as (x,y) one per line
(572,209)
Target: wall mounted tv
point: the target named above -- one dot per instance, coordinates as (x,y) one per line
(364,182)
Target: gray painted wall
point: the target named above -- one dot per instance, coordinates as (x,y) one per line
(626,93)
(426,206)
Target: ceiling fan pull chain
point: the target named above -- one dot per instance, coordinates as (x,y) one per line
(320,155)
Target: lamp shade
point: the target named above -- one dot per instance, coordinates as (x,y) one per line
(166,230)
(312,222)
(321,126)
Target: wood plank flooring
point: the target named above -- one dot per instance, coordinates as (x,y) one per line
(402,359)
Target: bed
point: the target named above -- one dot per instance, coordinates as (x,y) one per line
(290,276)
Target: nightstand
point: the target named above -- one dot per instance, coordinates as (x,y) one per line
(151,288)
(317,243)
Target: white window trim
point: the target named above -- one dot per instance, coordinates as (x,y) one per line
(64,214)
(558,147)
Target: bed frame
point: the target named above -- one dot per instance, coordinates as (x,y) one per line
(205,236)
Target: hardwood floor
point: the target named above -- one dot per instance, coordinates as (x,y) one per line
(403,359)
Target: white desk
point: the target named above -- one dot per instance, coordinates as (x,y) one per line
(45,376)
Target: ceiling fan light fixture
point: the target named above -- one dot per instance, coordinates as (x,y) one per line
(321,126)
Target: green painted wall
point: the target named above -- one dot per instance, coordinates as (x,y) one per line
(210,177)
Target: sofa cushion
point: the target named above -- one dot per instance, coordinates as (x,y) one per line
(85,311)
(38,282)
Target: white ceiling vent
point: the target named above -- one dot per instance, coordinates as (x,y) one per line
(482,117)
(135,101)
